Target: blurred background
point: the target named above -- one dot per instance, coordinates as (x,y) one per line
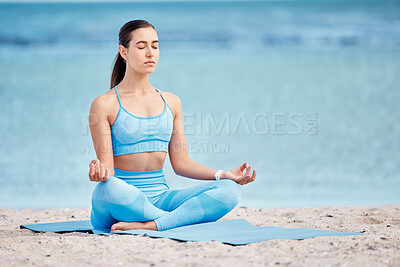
(307,92)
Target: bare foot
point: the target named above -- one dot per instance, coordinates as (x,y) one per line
(122,226)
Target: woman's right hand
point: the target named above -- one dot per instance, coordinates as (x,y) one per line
(97,172)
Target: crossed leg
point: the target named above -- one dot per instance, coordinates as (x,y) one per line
(197,204)
(122,206)
(116,201)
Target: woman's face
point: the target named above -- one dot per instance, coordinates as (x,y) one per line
(142,48)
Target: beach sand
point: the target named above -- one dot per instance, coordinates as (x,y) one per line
(379,246)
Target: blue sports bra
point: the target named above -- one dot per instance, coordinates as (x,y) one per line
(133,134)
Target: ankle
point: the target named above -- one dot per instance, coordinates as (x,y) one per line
(151,225)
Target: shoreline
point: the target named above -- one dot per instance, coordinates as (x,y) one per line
(379,246)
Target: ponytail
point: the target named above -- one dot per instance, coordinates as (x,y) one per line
(118,72)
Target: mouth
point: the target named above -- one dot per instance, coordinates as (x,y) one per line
(150,62)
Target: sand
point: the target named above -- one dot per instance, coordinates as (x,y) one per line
(379,246)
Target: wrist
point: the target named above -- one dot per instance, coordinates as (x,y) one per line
(218,175)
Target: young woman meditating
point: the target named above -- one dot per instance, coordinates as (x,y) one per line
(133,126)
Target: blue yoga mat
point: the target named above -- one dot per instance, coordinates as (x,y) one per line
(234,232)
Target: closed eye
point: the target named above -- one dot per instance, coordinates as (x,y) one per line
(145,47)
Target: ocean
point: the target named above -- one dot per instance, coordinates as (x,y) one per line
(306,92)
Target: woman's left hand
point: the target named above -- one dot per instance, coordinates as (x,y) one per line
(236,174)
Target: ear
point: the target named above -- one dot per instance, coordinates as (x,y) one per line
(122,51)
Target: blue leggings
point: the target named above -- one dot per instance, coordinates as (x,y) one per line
(145,196)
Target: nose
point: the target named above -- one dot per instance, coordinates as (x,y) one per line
(149,52)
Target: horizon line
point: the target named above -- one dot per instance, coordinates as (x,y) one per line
(139,1)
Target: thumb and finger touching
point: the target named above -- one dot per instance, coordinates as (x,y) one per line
(97,171)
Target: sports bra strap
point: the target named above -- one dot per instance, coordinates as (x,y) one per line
(119,99)
(161,95)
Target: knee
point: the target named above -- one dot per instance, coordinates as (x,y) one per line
(115,191)
(231,190)
(95,221)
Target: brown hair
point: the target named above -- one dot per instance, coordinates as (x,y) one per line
(119,65)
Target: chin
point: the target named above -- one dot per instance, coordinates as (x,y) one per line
(144,70)
(147,71)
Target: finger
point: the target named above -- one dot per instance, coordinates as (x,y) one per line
(243,167)
(248,175)
(90,167)
(93,167)
(248,171)
(97,170)
(91,172)
(248,180)
(94,172)
(253,177)
(101,174)
(92,162)
(245,179)
(104,178)
(107,175)
(95,176)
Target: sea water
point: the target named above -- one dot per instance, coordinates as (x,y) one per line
(306,92)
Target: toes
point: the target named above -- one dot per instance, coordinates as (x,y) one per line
(114,228)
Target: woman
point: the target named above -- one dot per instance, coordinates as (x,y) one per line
(133,127)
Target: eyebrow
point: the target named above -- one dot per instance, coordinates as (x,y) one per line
(155,41)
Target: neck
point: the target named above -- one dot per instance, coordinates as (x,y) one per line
(136,82)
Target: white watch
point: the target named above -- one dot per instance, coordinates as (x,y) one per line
(218,175)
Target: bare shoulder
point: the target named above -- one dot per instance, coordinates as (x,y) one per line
(104,103)
(173,101)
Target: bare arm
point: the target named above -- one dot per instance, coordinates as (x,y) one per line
(100,130)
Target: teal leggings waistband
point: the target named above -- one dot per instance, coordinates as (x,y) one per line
(152,183)
(144,174)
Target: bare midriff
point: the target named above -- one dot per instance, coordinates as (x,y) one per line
(140,162)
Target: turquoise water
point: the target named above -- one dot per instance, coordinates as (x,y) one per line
(305,91)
